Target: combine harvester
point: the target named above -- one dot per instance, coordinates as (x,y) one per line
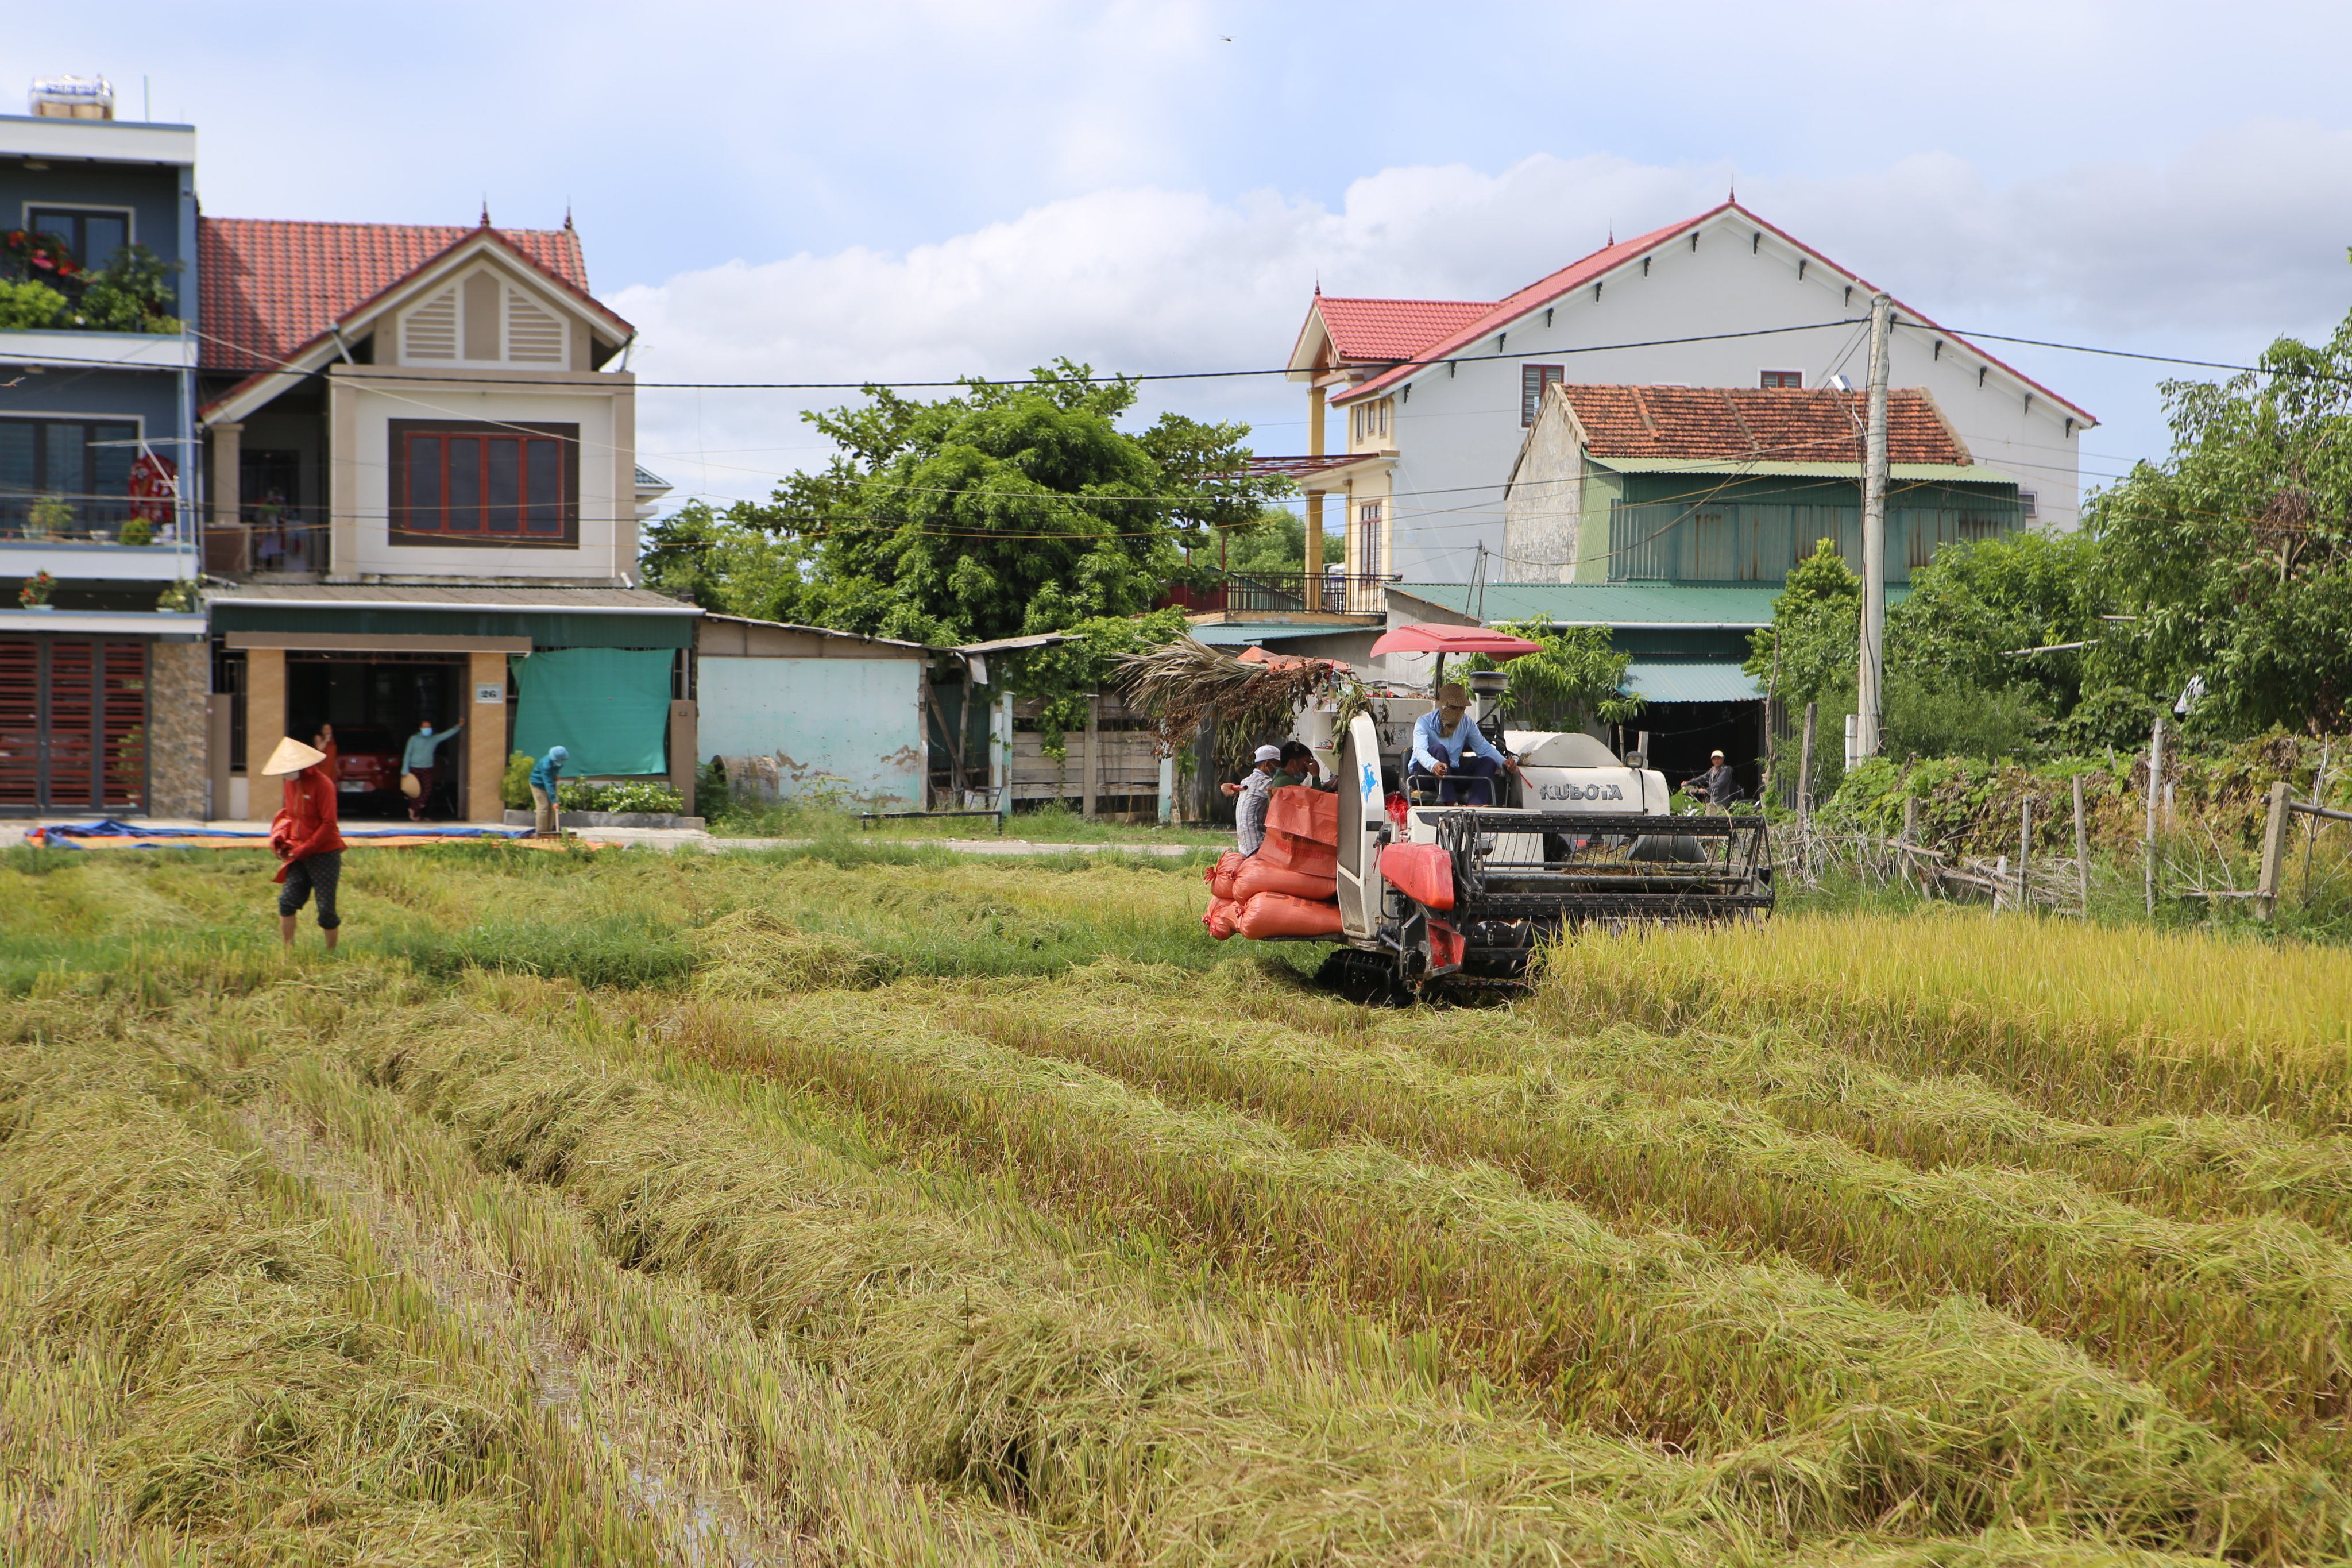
(1432,897)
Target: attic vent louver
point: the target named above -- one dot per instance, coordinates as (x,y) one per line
(534,336)
(429,332)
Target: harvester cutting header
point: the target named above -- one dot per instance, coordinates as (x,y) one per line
(1437,846)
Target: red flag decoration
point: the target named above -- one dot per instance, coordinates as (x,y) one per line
(154,488)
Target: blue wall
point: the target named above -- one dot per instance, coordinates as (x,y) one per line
(848,726)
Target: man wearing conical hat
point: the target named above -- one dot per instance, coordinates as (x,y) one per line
(306,837)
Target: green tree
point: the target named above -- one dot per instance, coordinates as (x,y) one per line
(1012,509)
(717,560)
(2235,553)
(1810,651)
(1577,676)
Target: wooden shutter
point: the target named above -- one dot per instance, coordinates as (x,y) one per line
(429,332)
(123,723)
(534,336)
(20,724)
(73,717)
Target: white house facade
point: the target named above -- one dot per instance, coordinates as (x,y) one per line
(1437,396)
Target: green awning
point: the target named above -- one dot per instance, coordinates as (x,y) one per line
(609,707)
(1661,681)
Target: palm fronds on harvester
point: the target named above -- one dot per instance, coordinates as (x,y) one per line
(1185,684)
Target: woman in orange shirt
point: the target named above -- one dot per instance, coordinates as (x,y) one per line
(305,835)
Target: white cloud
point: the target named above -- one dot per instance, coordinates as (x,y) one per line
(2238,239)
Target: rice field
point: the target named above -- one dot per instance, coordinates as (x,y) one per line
(864,1205)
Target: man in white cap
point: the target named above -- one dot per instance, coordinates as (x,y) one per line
(1722,785)
(306,837)
(1255,792)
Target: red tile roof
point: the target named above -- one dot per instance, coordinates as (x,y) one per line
(1576,274)
(270,286)
(1779,424)
(1363,329)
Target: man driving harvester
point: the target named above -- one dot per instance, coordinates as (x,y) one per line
(1447,746)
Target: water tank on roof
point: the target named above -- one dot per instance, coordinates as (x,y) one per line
(73,98)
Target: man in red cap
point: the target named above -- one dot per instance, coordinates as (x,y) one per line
(305,835)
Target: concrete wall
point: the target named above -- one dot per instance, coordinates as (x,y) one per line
(1541,520)
(1458,431)
(850,727)
(362,403)
(177,751)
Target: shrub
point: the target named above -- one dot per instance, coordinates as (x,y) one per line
(633,794)
(137,530)
(514,789)
(27,306)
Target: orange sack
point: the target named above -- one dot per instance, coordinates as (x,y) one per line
(1292,853)
(1284,914)
(1258,876)
(1309,814)
(1219,918)
(1219,877)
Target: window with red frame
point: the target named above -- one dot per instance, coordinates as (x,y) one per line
(1783,378)
(487,484)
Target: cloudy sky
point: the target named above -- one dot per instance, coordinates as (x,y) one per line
(783,192)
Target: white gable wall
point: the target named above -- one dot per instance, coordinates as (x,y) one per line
(1457,433)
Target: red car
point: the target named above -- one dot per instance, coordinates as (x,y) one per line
(368,762)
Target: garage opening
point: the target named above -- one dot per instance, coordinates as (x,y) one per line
(374,702)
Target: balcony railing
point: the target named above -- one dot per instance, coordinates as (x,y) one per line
(84,519)
(1244,594)
(266,539)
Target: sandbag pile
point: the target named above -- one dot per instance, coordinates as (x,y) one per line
(1290,886)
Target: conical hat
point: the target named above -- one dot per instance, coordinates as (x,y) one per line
(291,757)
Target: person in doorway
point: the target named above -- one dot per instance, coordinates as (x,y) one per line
(545,775)
(1448,746)
(306,837)
(1719,782)
(424,750)
(1253,795)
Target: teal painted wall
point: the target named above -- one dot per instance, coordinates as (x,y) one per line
(847,726)
(1717,528)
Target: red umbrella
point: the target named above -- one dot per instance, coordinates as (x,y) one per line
(1425,637)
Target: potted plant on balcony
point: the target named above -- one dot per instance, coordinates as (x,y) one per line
(48,515)
(35,593)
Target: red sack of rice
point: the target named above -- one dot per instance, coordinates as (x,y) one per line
(1282,914)
(1219,917)
(1310,814)
(1293,853)
(1219,877)
(1258,876)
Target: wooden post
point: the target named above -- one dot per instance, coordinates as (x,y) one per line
(1093,754)
(2081,850)
(1910,837)
(2155,791)
(2000,881)
(2266,886)
(2025,851)
(1805,768)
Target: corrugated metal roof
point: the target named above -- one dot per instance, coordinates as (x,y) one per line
(1696,606)
(1677,681)
(409,596)
(1240,634)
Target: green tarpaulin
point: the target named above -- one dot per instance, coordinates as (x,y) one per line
(609,707)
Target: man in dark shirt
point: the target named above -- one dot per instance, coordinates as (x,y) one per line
(1722,785)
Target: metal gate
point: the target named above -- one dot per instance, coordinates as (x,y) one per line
(73,725)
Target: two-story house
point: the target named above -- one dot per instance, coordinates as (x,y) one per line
(102,692)
(1437,394)
(423,503)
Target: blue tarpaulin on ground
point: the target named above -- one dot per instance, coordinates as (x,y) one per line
(61,836)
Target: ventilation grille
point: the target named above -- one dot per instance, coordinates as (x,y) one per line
(430,330)
(534,336)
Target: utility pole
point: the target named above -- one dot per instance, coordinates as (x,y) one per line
(1873,533)
(1314,518)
